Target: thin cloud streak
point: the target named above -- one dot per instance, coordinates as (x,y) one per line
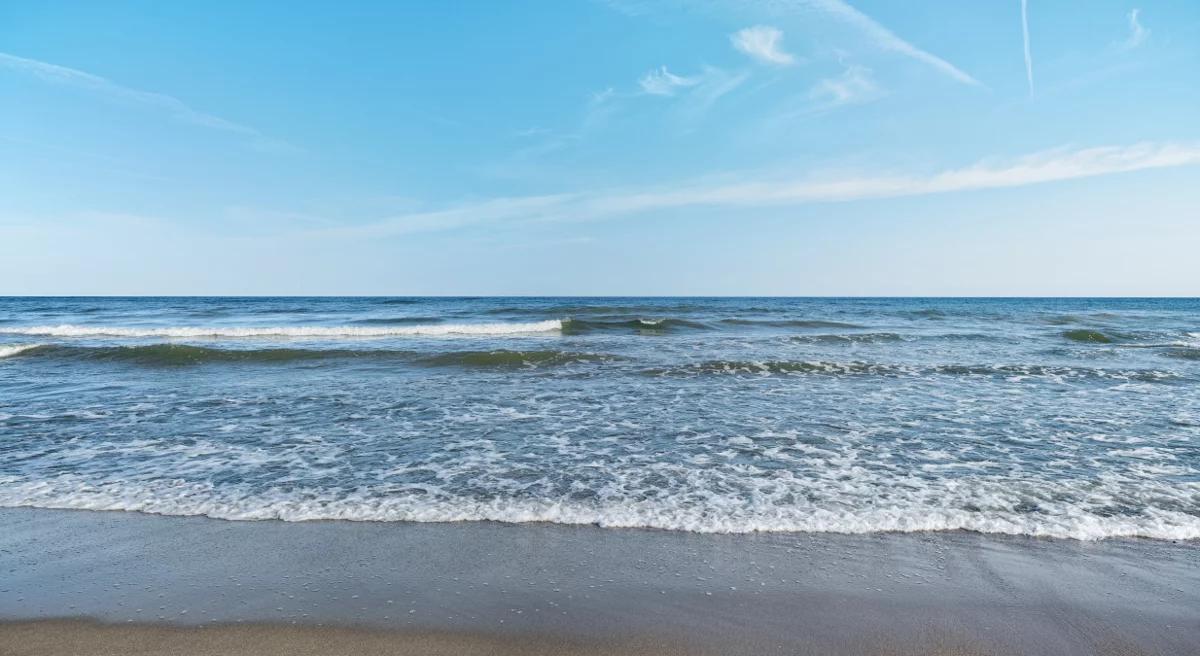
(1038,168)
(693,95)
(886,39)
(1025,31)
(856,85)
(1137,33)
(56,74)
(661,82)
(764,43)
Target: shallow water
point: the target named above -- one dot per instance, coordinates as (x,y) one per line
(1072,418)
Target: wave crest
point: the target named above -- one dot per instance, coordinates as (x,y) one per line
(574,326)
(69,330)
(10,350)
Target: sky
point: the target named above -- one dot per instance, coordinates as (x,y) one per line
(618,147)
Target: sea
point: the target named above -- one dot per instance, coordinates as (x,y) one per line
(1062,418)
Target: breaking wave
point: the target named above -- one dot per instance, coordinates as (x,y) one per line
(17,349)
(978,506)
(68,330)
(575,326)
(790,323)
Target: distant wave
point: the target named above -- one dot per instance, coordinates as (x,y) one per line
(1088,336)
(167,355)
(882,338)
(1085,319)
(859,368)
(601,309)
(187,354)
(16,349)
(1184,353)
(1062,320)
(575,326)
(790,323)
(396,321)
(711,367)
(68,330)
(851,338)
(927,313)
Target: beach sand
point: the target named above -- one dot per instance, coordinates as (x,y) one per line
(79,582)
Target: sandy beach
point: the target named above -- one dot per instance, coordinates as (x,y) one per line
(125,583)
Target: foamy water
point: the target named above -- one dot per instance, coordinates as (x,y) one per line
(1070,419)
(16,349)
(68,330)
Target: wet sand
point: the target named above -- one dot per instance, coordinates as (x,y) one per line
(77,582)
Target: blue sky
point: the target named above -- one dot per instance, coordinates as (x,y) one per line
(791,147)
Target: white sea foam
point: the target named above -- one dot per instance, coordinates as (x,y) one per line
(432,330)
(198,500)
(10,350)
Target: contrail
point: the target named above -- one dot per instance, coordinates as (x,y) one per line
(1028,57)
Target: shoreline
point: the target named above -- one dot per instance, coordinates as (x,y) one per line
(85,636)
(87,577)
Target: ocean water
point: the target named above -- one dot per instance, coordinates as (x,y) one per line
(1074,418)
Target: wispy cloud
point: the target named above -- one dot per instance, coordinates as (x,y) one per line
(884,38)
(856,85)
(1137,33)
(531,131)
(536,143)
(765,191)
(661,82)
(71,77)
(1025,32)
(713,84)
(764,43)
(692,96)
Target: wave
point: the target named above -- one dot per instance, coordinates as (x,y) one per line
(859,368)
(927,313)
(790,323)
(10,350)
(186,354)
(396,321)
(1183,353)
(166,355)
(1061,320)
(730,516)
(512,359)
(1087,336)
(713,367)
(575,326)
(69,330)
(851,338)
(572,310)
